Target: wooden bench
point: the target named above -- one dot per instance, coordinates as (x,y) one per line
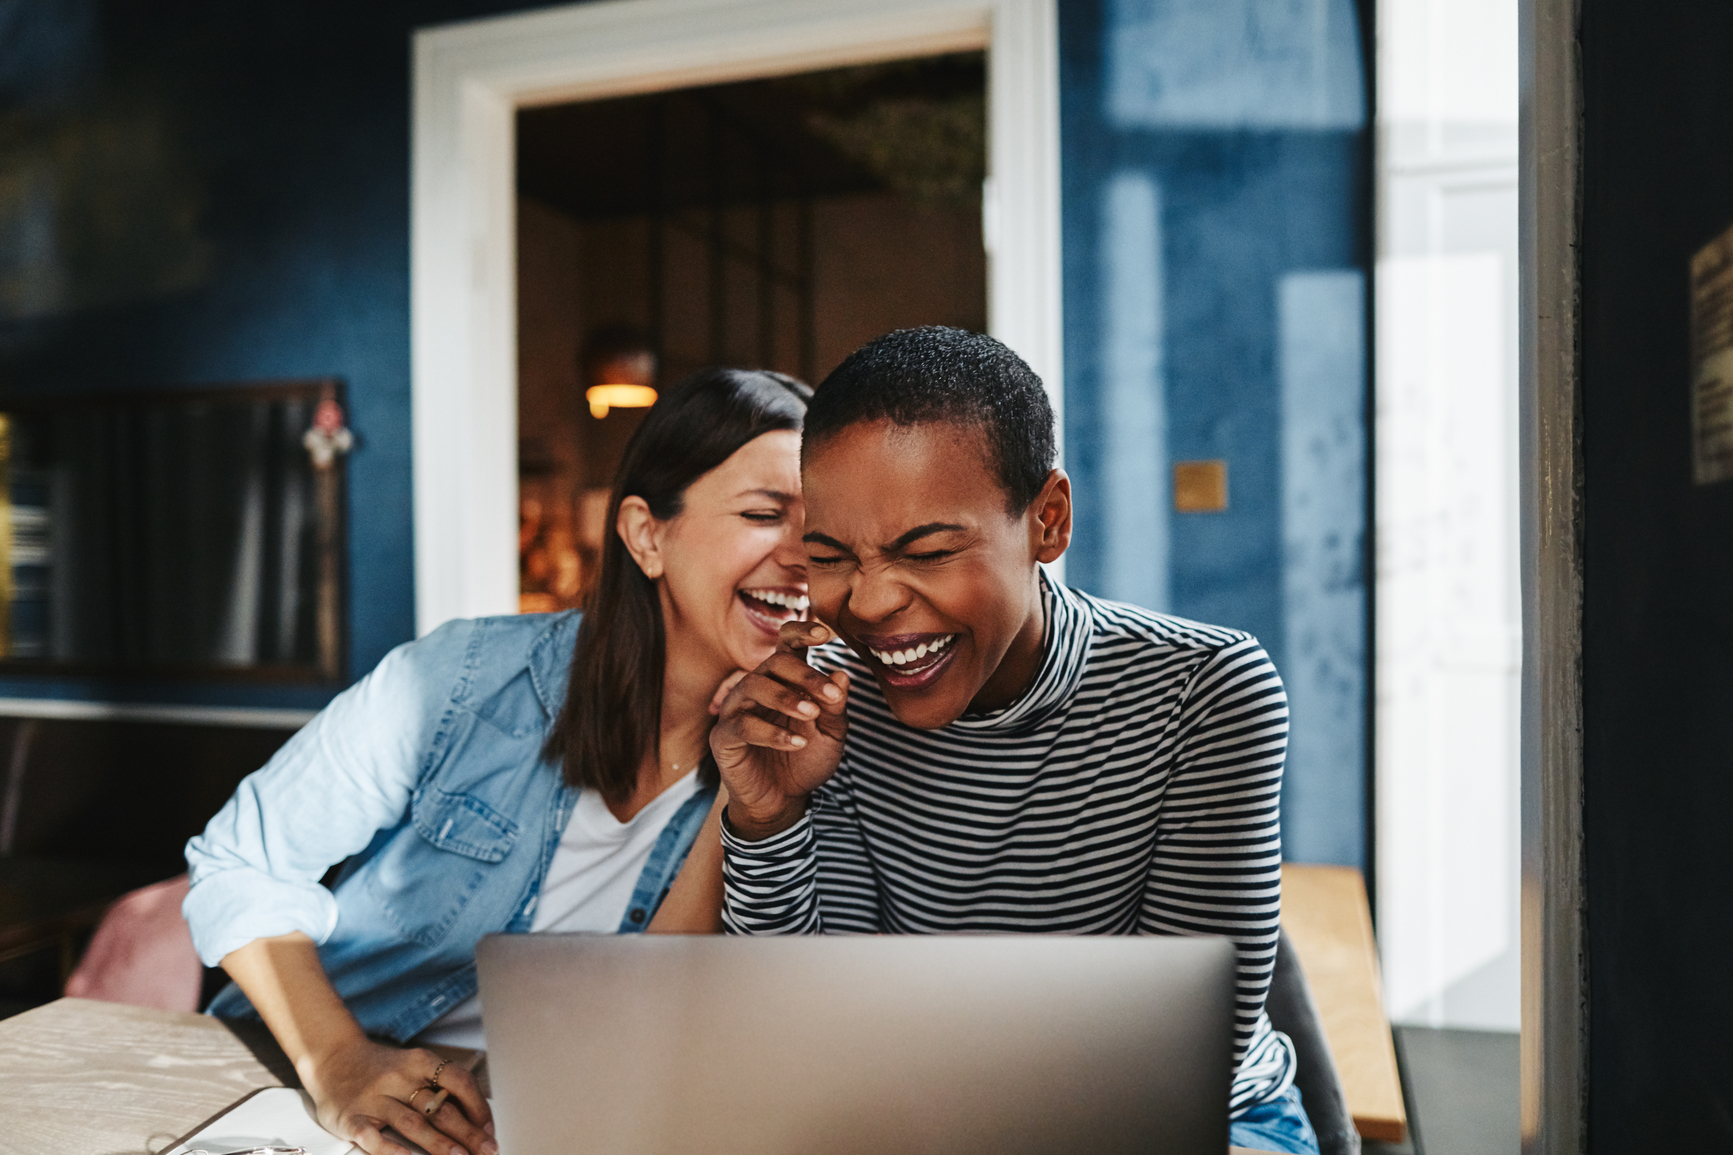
(1325,913)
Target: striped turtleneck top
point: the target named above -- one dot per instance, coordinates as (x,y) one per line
(1133,789)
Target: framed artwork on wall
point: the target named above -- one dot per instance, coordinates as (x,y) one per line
(190,532)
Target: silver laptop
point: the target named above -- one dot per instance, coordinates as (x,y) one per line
(895,1045)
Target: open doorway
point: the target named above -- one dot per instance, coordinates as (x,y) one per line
(472,78)
(775,223)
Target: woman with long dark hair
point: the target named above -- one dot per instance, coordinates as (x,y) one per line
(518,774)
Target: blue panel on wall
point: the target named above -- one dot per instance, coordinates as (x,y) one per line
(1235,64)
(1134,489)
(1322,319)
(1245,121)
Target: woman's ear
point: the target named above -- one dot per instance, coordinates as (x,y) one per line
(636,526)
(1050,518)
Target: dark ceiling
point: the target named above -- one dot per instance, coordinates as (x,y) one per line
(822,133)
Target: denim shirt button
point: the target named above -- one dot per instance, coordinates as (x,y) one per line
(638,915)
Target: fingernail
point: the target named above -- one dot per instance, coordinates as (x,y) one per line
(816,632)
(832,694)
(458,1151)
(489,1127)
(796,741)
(807,708)
(490,1147)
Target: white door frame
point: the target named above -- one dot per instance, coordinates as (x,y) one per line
(471,78)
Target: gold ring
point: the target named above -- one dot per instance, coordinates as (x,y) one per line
(417,1091)
(433,1079)
(435,1103)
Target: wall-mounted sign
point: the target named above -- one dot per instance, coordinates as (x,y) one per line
(1200,486)
(1712,361)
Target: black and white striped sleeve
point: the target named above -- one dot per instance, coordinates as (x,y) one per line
(1217,866)
(813,878)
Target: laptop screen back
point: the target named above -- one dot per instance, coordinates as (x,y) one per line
(997,1045)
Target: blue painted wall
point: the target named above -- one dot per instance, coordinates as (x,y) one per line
(1215,255)
(194,191)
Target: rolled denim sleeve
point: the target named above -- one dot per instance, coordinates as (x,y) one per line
(348,774)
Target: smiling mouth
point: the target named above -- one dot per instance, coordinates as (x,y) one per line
(769,608)
(913,660)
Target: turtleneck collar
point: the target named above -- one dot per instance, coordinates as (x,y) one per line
(1065,643)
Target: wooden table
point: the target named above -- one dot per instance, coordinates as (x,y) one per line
(83,1077)
(89,1078)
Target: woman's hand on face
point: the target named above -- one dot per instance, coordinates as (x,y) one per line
(367,1086)
(779,735)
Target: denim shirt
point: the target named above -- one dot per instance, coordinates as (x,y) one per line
(427,776)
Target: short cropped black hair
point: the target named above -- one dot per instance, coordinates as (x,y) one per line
(933,374)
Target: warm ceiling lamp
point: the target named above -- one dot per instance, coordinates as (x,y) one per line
(605,397)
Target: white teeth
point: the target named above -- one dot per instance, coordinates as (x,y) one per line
(795,602)
(904,657)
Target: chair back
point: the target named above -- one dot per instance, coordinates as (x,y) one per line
(142,953)
(1293,1012)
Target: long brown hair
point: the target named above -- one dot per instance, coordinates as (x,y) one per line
(612,715)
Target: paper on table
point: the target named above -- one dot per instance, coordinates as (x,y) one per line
(273,1117)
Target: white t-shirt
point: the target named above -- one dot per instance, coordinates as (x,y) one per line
(588,884)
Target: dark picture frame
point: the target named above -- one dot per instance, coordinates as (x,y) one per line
(177,532)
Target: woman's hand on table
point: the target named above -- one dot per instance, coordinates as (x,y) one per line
(359,1087)
(364,1087)
(779,734)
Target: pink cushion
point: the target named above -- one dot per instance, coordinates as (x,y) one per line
(142,953)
